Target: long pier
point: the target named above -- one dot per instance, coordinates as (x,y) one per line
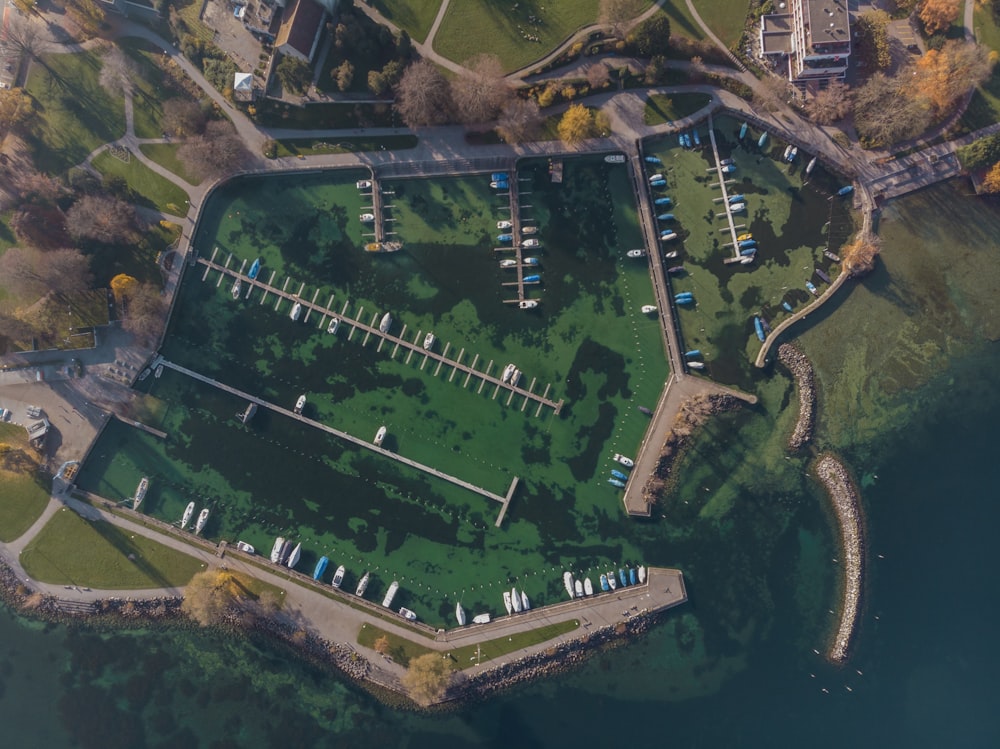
(373,330)
(503,500)
(722,187)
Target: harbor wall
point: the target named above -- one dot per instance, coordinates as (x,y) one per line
(801,368)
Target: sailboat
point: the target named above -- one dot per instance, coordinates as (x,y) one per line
(188,514)
(460,614)
(363,584)
(199,525)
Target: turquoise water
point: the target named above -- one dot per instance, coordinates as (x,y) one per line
(911,400)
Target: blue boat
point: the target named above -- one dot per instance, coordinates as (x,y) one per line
(811,288)
(665,217)
(787,306)
(697,140)
(622,578)
(616,482)
(632,579)
(532,279)
(652,160)
(759,329)
(320,568)
(680,139)
(658,183)
(663,201)
(846,190)
(604,582)
(505,237)
(499,176)
(254,269)
(529,261)
(619,475)
(744,244)
(736,198)
(686,300)
(823,277)
(683,295)
(763,140)
(499,184)
(748,252)
(692,352)
(743,131)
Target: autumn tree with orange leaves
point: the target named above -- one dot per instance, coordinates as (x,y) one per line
(944,76)
(991,181)
(937,15)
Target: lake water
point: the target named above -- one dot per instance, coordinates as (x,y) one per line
(910,398)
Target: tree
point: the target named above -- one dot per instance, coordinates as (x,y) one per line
(116,71)
(616,14)
(24,37)
(30,273)
(35,187)
(656,70)
(772,94)
(652,36)
(294,74)
(183,117)
(520,120)
(41,226)
(991,180)
(937,15)
(873,39)
(598,75)
(383,80)
(343,74)
(381,645)
(423,96)
(829,104)
(859,256)
(481,90)
(217,152)
(427,678)
(577,124)
(145,313)
(87,14)
(944,76)
(17,110)
(103,219)
(122,286)
(210,594)
(885,112)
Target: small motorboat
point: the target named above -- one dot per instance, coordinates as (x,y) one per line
(665,200)
(568,583)
(295,556)
(615,158)
(499,184)
(743,131)
(696,365)
(334,325)
(762,141)
(296,312)
(727,162)
(748,251)
(685,300)
(505,237)
(787,306)
(385,323)
(460,614)
(578,588)
(747,244)
(792,154)
(507,603)
(665,217)
(822,276)
(529,230)
(500,176)
(504,225)
(655,177)
(668,236)
(535,278)
(188,514)
(407,614)
(636,253)
(622,578)
(588,587)
(616,482)
(429,340)
(530,261)
(508,371)
(810,166)
(671,255)
(625,461)
(652,160)
(737,207)
(611,580)
(658,183)
(245,547)
(530,243)
(380,436)
(515,601)
(811,288)
(362,584)
(508,263)
(648,309)
(515,378)
(692,353)
(300,404)
(745,237)
(481,619)
(642,574)
(759,329)
(845,190)
(644,410)
(237,285)
(254,269)
(675,269)
(632,578)
(390,594)
(697,140)
(338,577)
(604,582)
(320,567)
(202,520)
(728,168)
(364,184)
(525,603)
(619,475)
(784,156)
(527,304)
(736,198)
(279,544)
(367,218)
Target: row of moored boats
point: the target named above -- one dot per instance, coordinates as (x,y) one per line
(627,576)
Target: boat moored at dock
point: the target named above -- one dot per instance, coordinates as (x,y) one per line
(588,587)
(604,582)
(481,619)
(407,614)
(527,304)
(759,329)
(625,461)
(460,614)
(279,544)
(338,577)
(296,312)
(568,582)
(237,285)
(320,568)
(619,475)
(635,253)
(611,581)
(380,436)
(811,289)
(642,574)
(245,547)
(622,578)
(429,340)
(140,492)
(188,514)
(822,276)
(295,556)
(300,404)
(648,309)
(632,578)
(515,601)
(362,585)
(617,483)
(508,603)
(385,323)
(525,603)
(390,594)
(254,270)
(334,325)
(202,521)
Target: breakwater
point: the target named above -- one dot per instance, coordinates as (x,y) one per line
(847,507)
(691,415)
(801,368)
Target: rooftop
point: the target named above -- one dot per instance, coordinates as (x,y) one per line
(776,34)
(828,21)
(299,25)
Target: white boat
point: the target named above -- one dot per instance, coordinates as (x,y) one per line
(236,288)
(784,156)
(507,604)
(648,309)
(188,514)
(407,614)
(159,371)
(642,574)
(481,619)
(668,236)
(295,556)
(367,218)
(578,588)
(508,263)
(588,587)
(338,577)
(140,492)
(390,594)
(527,304)
(504,225)
(515,378)
(530,243)
(379,436)
(296,311)
(460,614)
(655,177)
(507,372)
(386,323)
(636,253)
(199,525)
(627,462)
(746,260)
(429,341)
(525,603)
(515,600)
(279,542)
(671,255)
(300,404)
(362,584)
(611,580)
(245,547)
(568,582)
(737,207)
(793,153)
(615,158)
(529,230)
(696,364)
(811,165)
(364,184)
(334,325)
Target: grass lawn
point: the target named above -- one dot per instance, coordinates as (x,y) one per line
(66,321)
(661,108)
(316,146)
(71,550)
(984,109)
(725,17)
(165,154)
(22,502)
(76,114)
(402,650)
(682,23)
(415,16)
(155,191)
(322,116)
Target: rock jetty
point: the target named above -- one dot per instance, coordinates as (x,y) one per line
(847,507)
(801,368)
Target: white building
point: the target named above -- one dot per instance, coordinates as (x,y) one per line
(810,40)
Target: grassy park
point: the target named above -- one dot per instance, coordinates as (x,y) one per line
(148,187)
(415,16)
(984,108)
(661,108)
(724,17)
(165,154)
(23,497)
(72,551)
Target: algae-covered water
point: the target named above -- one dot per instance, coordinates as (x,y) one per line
(906,363)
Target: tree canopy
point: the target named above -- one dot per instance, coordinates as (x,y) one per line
(423,96)
(652,36)
(427,678)
(294,74)
(937,15)
(577,124)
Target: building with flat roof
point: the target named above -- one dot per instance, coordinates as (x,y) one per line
(810,40)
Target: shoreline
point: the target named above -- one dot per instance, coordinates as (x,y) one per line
(801,368)
(846,503)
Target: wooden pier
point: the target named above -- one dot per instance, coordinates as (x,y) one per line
(503,500)
(372,330)
(725,193)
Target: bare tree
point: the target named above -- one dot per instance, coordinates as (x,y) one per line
(616,14)
(13,329)
(885,112)
(481,90)
(830,104)
(30,273)
(598,75)
(772,93)
(40,225)
(520,120)
(183,117)
(423,96)
(217,152)
(24,37)
(35,187)
(146,313)
(117,70)
(17,109)
(101,218)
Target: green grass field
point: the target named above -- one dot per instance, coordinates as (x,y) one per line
(156,191)
(682,23)
(661,108)
(165,154)
(23,501)
(415,16)
(984,109)
(71,550)
(316,146)
(76,114)
(725,17)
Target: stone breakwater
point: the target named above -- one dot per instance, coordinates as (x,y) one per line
(801,368)
(847,507)
(695,412)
